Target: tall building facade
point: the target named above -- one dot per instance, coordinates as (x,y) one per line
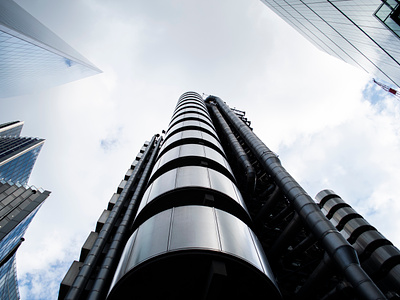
(206,211)
(32,57)
(17,154)
(13,128)
(18,205)
(19,202)
(364,33)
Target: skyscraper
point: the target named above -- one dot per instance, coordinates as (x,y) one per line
(364,33)
(208,212)
(17,154)
(32,57)
(11,128)
(18,205)
(19,202)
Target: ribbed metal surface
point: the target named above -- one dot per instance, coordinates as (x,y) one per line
(185,235)
(198,232)
(192,213)
(78,287)
(308,211)
(378,257)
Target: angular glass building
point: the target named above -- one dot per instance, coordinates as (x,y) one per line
(32,57)
(364,33)
(19,202)
(207,211)
(11,129)
(17,154)
(18,205)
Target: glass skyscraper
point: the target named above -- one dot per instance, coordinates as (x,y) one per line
(364,33)
(207,211)
(32,57)
(17,154)
(11,128)
(18,205)
(18,201)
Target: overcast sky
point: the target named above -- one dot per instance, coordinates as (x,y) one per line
(329,125)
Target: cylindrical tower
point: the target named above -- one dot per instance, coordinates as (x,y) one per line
(191,236)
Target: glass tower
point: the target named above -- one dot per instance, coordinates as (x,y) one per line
(364,33)
(207,211)
(11,128)
(17,154)
(18,205)
(32,57)
(18,201)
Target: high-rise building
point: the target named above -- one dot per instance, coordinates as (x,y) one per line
(11,128)
(364,33)
(206,211)
(18,205)
(17,154)
(19,202)
(32,57)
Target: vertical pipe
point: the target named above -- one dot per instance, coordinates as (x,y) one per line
(334,243)
(79,284)
(271,201)
(286,236)
(318,276)
(110,262)
(237,150)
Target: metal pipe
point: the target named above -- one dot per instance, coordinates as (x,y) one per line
(283,214)
(237,150)
(341,291)
(81,280)
(110,262)
(271,201)
(286,236)
(302,246)
(321,272)
(340,251)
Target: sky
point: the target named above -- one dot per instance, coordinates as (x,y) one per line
(330,125)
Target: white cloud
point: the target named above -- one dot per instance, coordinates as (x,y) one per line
(357,159)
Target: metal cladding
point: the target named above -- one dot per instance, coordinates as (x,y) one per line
(118,241)
(378,257)
(192,239)
(237,149)
(75,283)
(177,251)
(306,210)
(201,210)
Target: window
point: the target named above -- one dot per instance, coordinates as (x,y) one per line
(389,14)
(395,16)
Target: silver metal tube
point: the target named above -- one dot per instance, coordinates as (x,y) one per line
(237,150)
(340,251)
(111,260)
(79,284)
